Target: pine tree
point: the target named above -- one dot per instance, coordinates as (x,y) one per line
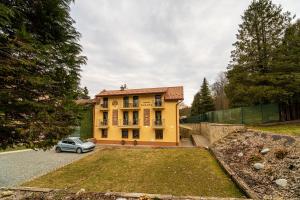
(285,73)
(206,100)
(83,93)
(203,101)
(195,109)
(259,35)
(86,93)
(39,72)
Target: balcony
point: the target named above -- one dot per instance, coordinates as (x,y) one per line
(129,123)
(130,106)
(104,106)
(158,104)
(103,123)
(158,124)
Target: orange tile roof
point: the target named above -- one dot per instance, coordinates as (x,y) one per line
(171,93)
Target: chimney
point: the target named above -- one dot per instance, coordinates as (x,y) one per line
(123,87)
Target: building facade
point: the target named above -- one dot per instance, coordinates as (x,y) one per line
(148,116)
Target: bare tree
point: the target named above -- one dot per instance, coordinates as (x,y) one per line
(218,90)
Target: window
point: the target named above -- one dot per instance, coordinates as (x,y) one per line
(105,118)
(158,121)
(135,101)
(126,102)
(105,103)
(158,101)
(67,141)
(125,118)
(135,117)
(159,134)
(78,141)
(124,133)
(135,133)
(104,133)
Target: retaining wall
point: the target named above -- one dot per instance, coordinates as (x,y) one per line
(213,132)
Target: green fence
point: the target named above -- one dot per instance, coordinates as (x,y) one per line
(85,130)
(243,115)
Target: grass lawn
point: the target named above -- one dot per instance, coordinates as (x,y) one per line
(15,148)
(287,129)
(180,171)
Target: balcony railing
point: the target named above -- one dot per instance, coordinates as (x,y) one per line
(158,123)
(158,103)
(128,123)
(130,105)
(103,123)
(104,105)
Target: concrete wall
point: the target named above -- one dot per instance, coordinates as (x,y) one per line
(213,132)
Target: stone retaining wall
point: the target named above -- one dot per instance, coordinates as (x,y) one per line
(213,132)
(48,193)
(240,182)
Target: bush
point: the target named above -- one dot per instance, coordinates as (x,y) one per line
(255,158)
(135,142)
(123,142)
(280,153)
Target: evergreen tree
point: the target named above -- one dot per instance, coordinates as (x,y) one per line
(259,35)
(39,72)
(86,93)
(203,101)
(206,100)
(195,109)
(83,93)
(285,73)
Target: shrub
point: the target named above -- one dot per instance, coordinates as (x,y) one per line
(280,153)
(123,142)
(255,158)
(135,142)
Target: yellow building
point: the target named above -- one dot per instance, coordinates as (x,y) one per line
(148,116)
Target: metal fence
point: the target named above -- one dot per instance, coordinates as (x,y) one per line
(242,115)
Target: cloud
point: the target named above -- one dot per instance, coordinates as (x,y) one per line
(158,43)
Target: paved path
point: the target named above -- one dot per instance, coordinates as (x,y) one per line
(200,141)
(18,167)
(186,142)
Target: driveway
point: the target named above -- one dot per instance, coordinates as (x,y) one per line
(18,167)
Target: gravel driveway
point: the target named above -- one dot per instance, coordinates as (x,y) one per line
(16,168)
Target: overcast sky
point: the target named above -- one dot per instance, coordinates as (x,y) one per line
(154,43)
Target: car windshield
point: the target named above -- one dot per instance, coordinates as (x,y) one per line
(78,141)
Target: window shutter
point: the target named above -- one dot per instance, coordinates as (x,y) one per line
(146,117)
(115,117)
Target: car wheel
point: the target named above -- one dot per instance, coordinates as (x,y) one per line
(79,150)
(57,149)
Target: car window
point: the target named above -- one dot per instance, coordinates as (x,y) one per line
(71,142)
(78,141)
(65,141)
